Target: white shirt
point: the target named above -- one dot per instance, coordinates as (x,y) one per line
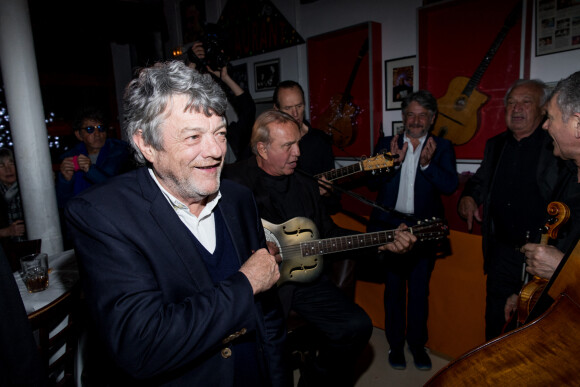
(202,227)
(406,197)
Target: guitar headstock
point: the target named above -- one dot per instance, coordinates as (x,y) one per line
(381,161)
(430,229)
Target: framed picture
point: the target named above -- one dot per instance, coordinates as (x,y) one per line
(267,74)
(557,26)
(400,80)
(398,127)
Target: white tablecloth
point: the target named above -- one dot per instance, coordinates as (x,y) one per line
(63,276)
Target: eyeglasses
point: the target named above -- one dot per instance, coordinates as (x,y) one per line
(6,164)
(91,129)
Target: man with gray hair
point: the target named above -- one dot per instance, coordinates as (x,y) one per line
(175,270)
(286,198)
(515,183)
(563,125)
(414,190)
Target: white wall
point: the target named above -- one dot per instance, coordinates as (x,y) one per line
(398,26)
(398,21)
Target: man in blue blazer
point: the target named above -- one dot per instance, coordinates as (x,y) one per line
(174,267)
(414,190)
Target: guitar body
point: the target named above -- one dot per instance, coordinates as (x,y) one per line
(295,266)
(458,119)
(339,121)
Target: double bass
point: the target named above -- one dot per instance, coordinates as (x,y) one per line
(545,350)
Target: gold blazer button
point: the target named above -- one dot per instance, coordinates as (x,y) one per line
(226,352)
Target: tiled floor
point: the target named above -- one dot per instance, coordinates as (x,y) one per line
(376,371)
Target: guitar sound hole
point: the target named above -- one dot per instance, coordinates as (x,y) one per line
(460,104)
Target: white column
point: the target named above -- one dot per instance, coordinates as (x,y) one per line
(24,103)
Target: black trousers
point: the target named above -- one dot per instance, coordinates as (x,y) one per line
(407,297)
(504,278)
(344,327)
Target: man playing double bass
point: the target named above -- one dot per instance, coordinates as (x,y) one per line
(563,125)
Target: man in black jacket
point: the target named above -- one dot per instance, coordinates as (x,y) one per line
(282,195)
(563,125)
(515,183)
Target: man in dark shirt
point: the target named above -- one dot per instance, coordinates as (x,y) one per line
(515,183)
(315,147)
(282,195)
(562,123)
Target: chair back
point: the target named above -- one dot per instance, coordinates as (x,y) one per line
(58,327)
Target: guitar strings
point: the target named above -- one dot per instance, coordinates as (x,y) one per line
(367,240)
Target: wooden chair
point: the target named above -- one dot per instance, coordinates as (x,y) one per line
(58,333)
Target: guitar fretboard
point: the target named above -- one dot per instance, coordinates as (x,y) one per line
(341,172)
(359,241)
(335,245)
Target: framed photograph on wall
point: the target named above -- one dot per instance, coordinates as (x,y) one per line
(400,80)
(398,127)
(267,74)
(557,26)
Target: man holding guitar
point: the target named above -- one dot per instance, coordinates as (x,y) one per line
(282,195)
(515,183)
(427,171)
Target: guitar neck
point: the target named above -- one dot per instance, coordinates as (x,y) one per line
(363,51)
(476,78)
(510,21)
(341,172)
(358,241)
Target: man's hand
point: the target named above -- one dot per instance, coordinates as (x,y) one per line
(403,242)
(396,151)
(511,306)
(324,186)
(427,152)
(262,271)
(274,250)
(468,209)
(67,168)
(541,260)
(16,229)
(84,163)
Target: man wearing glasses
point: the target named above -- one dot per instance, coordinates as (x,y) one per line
(94,160)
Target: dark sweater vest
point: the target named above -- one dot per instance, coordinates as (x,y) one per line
(220,265)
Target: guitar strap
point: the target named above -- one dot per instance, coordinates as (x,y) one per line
(360,198)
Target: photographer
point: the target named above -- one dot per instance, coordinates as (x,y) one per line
(238,131)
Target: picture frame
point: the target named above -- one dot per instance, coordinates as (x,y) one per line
(398,127)
(557,26)
(400,80)
(266,74)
